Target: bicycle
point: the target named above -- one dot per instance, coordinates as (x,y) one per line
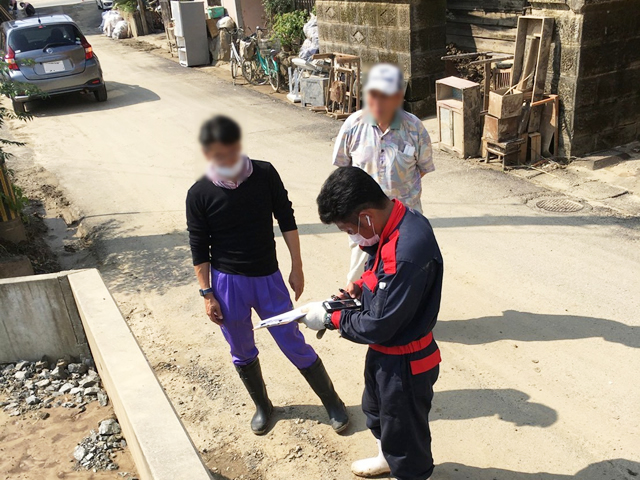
(261,68)
(236,59)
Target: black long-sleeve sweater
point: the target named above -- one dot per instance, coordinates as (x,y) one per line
(233,229)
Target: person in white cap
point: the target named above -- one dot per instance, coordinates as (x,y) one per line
(388,143)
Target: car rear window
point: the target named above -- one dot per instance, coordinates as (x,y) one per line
(37,38)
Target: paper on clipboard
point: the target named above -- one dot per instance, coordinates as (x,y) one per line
(283,318)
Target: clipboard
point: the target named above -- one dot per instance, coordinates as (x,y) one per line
(283,318)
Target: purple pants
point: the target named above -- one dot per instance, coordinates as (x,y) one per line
(268,296)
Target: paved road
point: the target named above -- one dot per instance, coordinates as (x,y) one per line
(539,330)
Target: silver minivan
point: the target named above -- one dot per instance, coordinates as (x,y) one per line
(50,53)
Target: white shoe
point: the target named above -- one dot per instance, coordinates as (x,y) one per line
(371,467)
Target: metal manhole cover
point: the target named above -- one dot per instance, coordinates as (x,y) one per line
(559,205)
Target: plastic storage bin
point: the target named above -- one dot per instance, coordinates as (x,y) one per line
(215,12)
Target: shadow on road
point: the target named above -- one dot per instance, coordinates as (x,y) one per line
(155,263)
(535,327)
(615,469)
(357,421)
(632,223)
(120,95)
(508,404)
(536,220)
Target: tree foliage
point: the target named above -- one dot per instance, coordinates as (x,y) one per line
(288,27)
(15,199)
(277,7)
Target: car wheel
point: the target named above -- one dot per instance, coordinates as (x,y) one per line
(101,94)
(18,107)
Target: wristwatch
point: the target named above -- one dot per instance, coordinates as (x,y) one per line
(206,291)
(328,324)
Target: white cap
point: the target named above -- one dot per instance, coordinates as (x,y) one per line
(385,78)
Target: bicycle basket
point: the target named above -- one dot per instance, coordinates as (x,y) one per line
(247,48)
(266,45)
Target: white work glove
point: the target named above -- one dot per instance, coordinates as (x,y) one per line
(314,319)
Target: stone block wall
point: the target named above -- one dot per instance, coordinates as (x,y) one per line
(409,33)
(595,68)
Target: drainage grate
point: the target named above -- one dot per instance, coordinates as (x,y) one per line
(559,205)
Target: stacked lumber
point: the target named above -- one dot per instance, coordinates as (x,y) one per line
(488,25)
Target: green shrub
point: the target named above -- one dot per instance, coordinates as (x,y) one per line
(277,7)
(129,6)
(288,27)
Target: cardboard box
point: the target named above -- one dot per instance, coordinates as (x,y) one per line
(211,26)
(503,105)
(500,129)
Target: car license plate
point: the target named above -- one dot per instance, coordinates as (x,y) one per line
(53,67)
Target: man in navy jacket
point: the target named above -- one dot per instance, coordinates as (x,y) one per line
(400,293)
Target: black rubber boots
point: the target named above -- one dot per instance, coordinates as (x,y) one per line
(320,382)
(251,376)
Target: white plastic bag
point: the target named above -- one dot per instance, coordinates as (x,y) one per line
(311,45)
(310,28)
(121,30)
(110,20)
(226,23)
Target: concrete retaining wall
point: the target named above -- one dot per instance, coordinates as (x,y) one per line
(65,314)
(38,316)
(160,445)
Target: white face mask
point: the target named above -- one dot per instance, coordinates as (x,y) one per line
(229,172)
(365,242)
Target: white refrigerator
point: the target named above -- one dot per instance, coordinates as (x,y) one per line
(190,29)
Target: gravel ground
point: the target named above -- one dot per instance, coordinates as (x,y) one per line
(35,392)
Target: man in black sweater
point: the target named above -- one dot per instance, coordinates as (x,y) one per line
(230,214)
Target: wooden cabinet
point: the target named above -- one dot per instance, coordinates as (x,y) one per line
(458,103)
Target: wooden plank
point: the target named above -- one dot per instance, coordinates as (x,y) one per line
(480,17)
(456,82)
(480,44)
(482,31)
(495,59)
(549,126)
(535,140)
(488,5)
(533,47)
(540,77)
(524,147)
(543,58)
(518,54)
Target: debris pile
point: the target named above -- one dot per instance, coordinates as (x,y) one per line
(97,450)
(31,386)
(475,73)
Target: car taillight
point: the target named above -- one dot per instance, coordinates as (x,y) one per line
(10,59)
(88,49)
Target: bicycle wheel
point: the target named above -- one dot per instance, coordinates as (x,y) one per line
(234,69)
(274,80)
(248,70)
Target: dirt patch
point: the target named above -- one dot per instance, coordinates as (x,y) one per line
(35,248)
(139,44)
(55,240)
(35,448)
